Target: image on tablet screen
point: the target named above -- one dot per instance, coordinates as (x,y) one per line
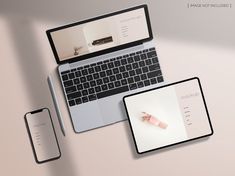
(168,115)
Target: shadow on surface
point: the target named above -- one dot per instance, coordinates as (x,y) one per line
(174,147)
(34,72)
(186,24)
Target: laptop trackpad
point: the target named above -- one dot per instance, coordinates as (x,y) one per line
(112,109)
(87,116)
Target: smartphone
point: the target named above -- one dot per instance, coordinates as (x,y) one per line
(42,135)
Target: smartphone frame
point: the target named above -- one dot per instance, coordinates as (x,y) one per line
(31,139)
(190,79)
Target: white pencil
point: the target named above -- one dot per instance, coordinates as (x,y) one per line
(56,104)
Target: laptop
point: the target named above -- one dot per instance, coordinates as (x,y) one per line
(103,59)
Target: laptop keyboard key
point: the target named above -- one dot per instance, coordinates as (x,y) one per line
(115,71)
(65,77)
(119,76)
(111,65)
(160,79)
(133,86)
(83,79)
(84,92)
(79,86)
(117,83)
(146,82)
(97,68)
(74,95)
(102,74)
(141,63)
(112,78)
(153,81)
(130,80)
(89,78)
(84,99)
(78,73)
(91,90)
(85,72)
(96,76)
(151,54)
(112,92)
(92,97)
(104,67)
(154,74)
(70,89)
(106,80)
(92,83)
(99,81)
(132,73)
(109,72)
(86,85)
(135,65)
(76,81)
(128,67)
(138,71)
(140,84)
(145,69)
(148,62)
(155,60)
(97,88)
(91,70)
(117,63)
(104,87)
(78,101)
(71,103)
(125,75)
(153,67)
(123,61)
(124,81)
(130,59)
(111,85)
(137,78)
(143,76)
(143,56)
(68,83)
(71,75)
(122,69)
(137,58)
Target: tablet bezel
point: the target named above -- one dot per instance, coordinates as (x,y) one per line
(165,146)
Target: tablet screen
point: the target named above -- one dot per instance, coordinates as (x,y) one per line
(168,115)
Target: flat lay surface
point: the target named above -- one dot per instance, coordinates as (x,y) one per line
(190,42)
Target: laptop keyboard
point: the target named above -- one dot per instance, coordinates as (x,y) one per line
(112,76)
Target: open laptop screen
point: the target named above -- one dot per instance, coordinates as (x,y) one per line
(100,35)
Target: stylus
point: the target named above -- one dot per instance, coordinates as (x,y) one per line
(56,104)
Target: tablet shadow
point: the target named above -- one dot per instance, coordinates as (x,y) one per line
(174,147)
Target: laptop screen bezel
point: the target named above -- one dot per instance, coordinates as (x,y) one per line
(105,51)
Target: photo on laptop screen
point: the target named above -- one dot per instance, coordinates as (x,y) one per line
(101,34)
(168,115)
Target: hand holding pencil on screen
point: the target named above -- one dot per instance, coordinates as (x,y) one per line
(153,120)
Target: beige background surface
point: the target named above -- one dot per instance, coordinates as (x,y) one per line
(191,42)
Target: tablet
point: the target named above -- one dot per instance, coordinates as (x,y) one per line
(168,115)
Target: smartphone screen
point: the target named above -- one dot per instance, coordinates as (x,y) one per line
(42,135)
